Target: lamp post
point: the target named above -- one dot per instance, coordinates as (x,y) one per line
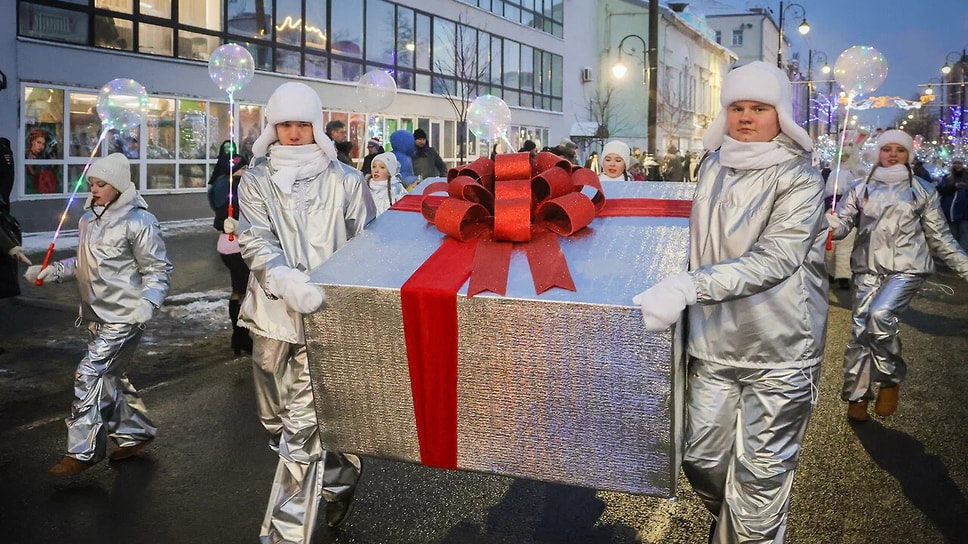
(962,63)
(825,69)
(803,28)
(619,69)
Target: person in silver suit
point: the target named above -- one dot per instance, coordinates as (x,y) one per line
(756,295)
(899,225)
(297,208)
(123,275)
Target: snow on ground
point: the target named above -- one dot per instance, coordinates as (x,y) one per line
(205,310)
(38,242)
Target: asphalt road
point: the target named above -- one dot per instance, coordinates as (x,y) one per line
(206,478)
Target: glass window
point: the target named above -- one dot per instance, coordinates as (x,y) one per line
(114,33)
(192,129)
(123,6)
(737,37)
(316,24)
(316,66)
(546,72)
(348,30)
(161,176)
(192,45)
(357,134)
(346,70)
(512,56)
(449,139)
(261,54)
(161,129)
(444,32)
(483,56)
(155,40)
(42,179)
(218,127)
(156,8)
(405,38)
(53,24)
(527,68)
(495,63)
(43,123)
(422,83)
(201,13)
(191,175)
(245,21)
(423,42)
(287,62)
(289,21)
(404,80)
(86,127)
(250,126)
(556,70)
(380,44)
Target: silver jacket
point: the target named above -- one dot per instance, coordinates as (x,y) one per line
(899,225)
(756,254)
(298,230)
(121,259)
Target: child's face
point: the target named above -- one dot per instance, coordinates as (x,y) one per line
(295,133)
(379,171)
(613,165)
(102,194)
(892,154)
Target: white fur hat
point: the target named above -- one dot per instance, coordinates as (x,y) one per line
(390,161)
(760,82)
(619,148)
(897,137)
(294,101)
(113,170)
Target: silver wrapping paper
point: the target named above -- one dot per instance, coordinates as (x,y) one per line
(563,387)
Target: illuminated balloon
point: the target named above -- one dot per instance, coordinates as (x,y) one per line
(231,67)
(860,69)
(488,117)
(376,90)
(825,148)
(869,152)
(122,104)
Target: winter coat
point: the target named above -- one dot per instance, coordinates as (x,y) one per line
(757,241)
(954,200)
(383,196)
(403,146)
(427,163)
(11,236)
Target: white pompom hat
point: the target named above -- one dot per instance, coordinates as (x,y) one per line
(294,101)
(113,170)
(897,137)
(390,161)
(760,82)
(619,148)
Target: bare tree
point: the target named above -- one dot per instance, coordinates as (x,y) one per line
(464,70)
(675,110)
(604,111)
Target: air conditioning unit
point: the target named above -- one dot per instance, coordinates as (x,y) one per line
(586,75)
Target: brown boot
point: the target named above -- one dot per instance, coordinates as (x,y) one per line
(68,466)
(129,451)
(886,400)
(857,410)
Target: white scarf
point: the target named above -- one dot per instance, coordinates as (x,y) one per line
(891,174)
(287,163)
(752,155)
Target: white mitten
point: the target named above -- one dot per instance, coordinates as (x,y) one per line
(664,302)
(230,225)
(18,253)
(833,221)
(293,287)
(143,312)
(53,272)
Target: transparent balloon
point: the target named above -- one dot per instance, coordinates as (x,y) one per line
(231,67)
(860,70)
(376,90)
(826,148)
(488,118)
(869,152)
(122,104)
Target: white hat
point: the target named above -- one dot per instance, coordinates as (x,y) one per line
(390,161)
(294,101)
(113,170)
(619,148)
(760,82)
(897,137)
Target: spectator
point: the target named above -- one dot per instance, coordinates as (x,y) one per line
(426,161)
(672,169)
(373,148)
(616,156)
(567,149)
(385,184)
(636,172)
(529,147)
(402,143)
(8,171)
(953,189)
(336,130)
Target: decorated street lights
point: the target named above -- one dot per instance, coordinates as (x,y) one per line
(803,28)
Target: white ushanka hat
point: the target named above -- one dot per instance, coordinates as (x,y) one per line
(390,161)
(897,137)
(113,170)
(294,101)
(619,148)
(760,82)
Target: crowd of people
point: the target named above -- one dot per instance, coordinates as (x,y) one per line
(758,230)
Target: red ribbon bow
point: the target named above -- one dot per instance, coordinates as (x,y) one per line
(510,200)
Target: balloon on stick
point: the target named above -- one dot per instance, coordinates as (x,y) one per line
(231,67)
(122,105)
(376,90)
(488,118)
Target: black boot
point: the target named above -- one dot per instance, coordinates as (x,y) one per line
(241,341)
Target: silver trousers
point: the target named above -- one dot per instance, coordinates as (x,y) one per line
(873,353)
(306,473)
(105,403)
(744,428)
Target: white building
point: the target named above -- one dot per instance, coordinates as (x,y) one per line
(58,54)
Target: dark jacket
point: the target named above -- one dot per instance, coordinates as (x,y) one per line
(343,150)
(954,200)
(427,163)
(369,159)
(10,237)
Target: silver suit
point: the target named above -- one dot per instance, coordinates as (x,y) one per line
(899,225)
(121,259)
(756,339)
(297,230)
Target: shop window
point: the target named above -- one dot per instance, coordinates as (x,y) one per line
(219,128)
(192,129)
(85,126)
(55,24)
(250,126)
(161,129)
(191,175)
(160,176)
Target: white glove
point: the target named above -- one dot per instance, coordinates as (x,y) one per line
(833,221)
(664,302)
(143,312)
(18,253)
(293,287)
(230,225)
(51,273)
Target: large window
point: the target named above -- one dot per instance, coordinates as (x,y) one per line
(545,15)
(178,150)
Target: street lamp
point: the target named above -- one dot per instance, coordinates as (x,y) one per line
(619,69)
(803,28)
(821,57)
(952,59)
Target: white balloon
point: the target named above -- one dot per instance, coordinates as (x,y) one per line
(860,69)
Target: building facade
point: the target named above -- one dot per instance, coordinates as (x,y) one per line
(63,51)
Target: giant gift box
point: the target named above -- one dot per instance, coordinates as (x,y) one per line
(562,386)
